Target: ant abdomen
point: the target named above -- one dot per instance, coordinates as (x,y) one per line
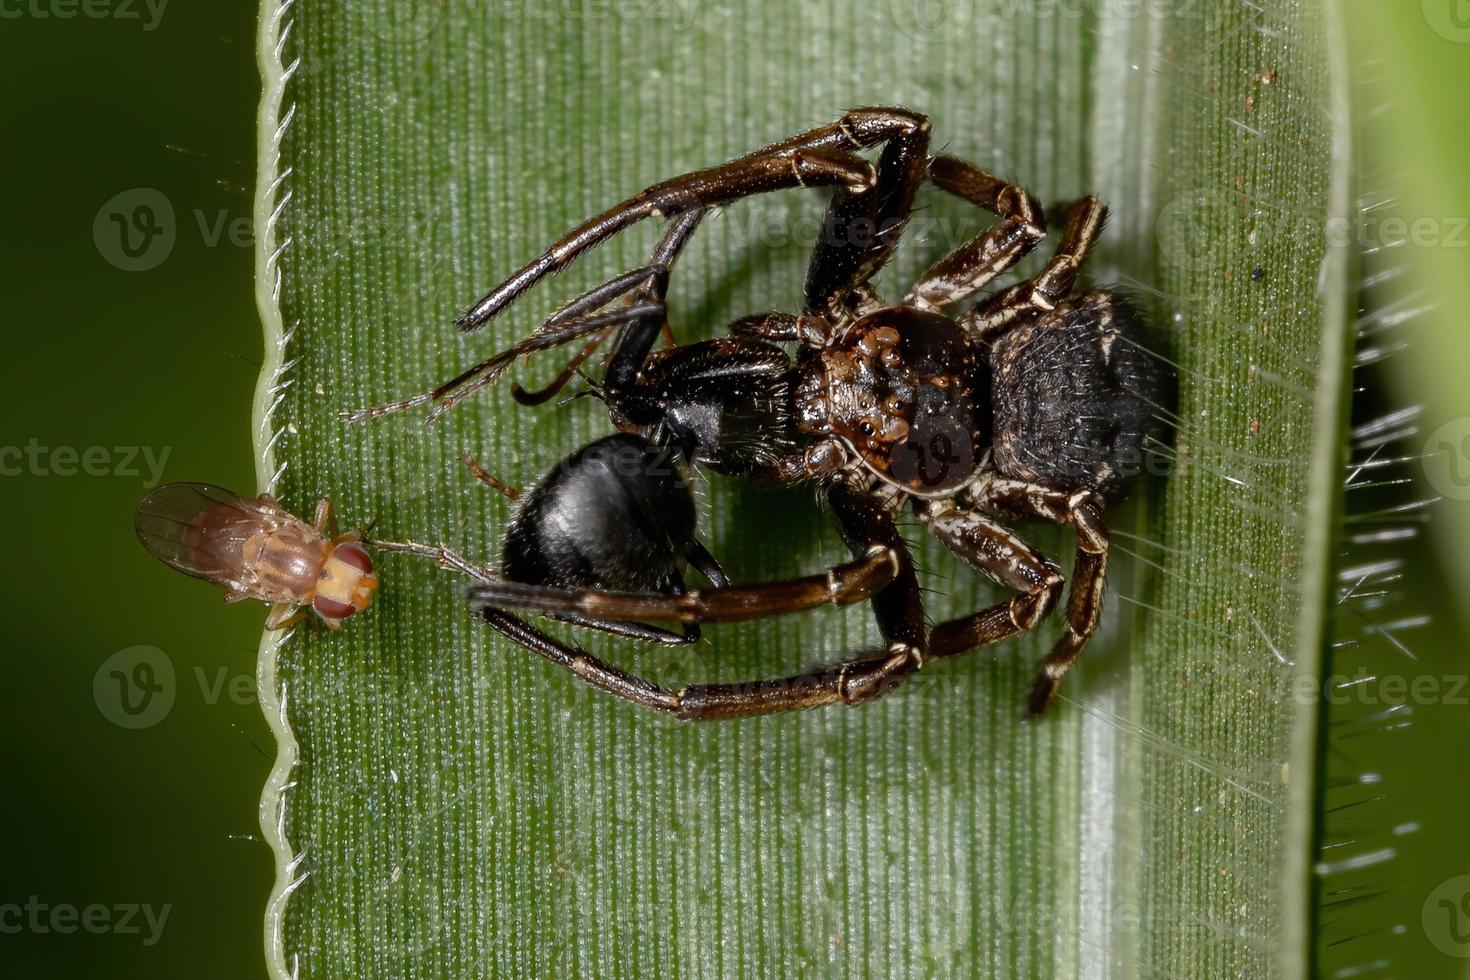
(615,515)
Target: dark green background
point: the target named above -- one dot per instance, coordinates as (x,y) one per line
(101,357)
(167,359)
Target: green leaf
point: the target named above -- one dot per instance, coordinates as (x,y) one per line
(445,804)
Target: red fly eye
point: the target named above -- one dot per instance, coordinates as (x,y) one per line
(332,609)
(355,556)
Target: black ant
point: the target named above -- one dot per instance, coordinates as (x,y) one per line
(1036,404)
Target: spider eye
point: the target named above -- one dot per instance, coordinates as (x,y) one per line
(866,428)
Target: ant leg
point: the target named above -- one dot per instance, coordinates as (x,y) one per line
(489,479)
(1084,511)
(569,371)
(965,271)
(800,167)
(841,585)
(1007,560)
(648,283)
(1042,294)
(706,564)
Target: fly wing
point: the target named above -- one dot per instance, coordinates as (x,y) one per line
(201,530)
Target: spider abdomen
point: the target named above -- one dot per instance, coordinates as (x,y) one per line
(1075,395)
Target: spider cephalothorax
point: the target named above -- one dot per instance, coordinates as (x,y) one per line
(906,391)
(1032,404)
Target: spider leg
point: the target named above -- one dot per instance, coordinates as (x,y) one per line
(643,291)
(965,271)
(821,156)
(1084,511)
(867,526)
(850,682)
(841,585)
(865,522)
(807,166)
(1006,559)
(1042,294)
(553,334)
(858,129)
(863,226)
(654,287)
(694,192)
(704,701)
(453,560)
(777,327)
(642,632)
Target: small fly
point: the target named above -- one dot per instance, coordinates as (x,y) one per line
(255,549)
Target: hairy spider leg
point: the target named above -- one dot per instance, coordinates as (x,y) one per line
(1040,295)
(967,269)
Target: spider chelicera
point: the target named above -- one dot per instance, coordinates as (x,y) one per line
(1035,404)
